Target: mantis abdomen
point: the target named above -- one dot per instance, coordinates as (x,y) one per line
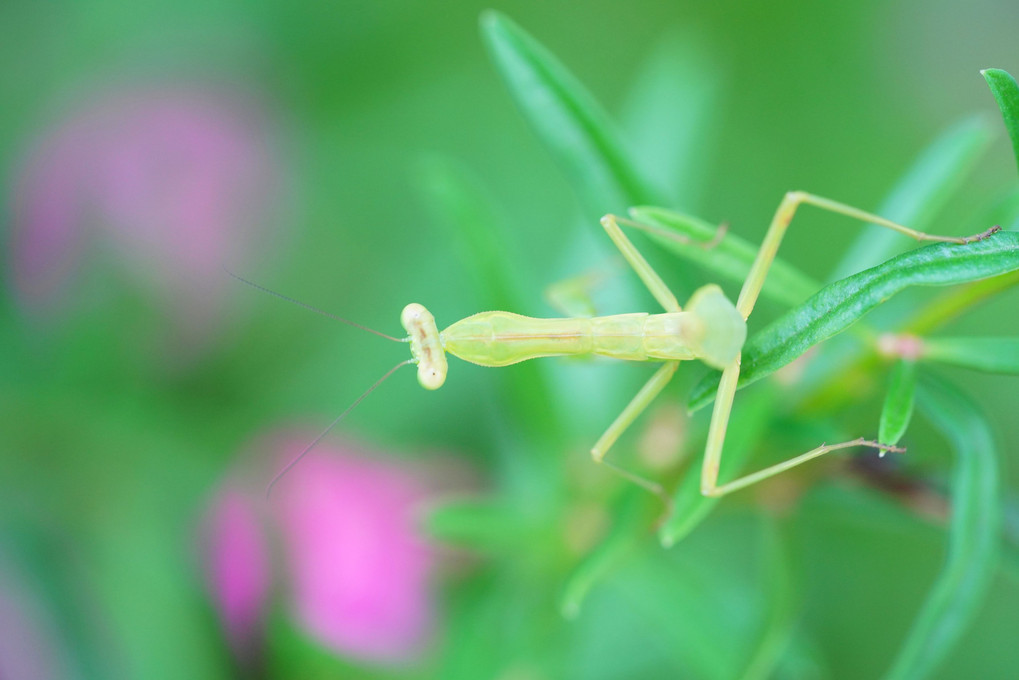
(502,338)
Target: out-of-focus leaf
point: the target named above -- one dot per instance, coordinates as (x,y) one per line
(485,526)
(567,118)
(571,124)
(946,307)
(1006,93)
(993,355)
(459,203)
(628,529)
(777,629)
(708,602)
(898,407)
(920,194)
(835,307)
(730,258)
(973,537)
(1010,533)
(530,632)
(670,116)
(689,506)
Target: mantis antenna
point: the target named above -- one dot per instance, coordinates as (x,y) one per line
(320,437)
(314,309)
(314,443)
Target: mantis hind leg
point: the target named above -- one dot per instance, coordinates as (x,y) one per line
(745,304)
(716,440)
(637,405)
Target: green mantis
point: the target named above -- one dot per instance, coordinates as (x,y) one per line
(711,329)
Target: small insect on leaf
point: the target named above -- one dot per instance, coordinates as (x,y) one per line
(1006,92)
(991,355)
(898,407)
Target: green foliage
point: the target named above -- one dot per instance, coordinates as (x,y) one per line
(567,119)
(1006,93)
(898,407)
(973,535)
(578,133)
(628,528)
(921,194)
(992,355)
(550,566)
(689,506)
(730,258)
(838,305)
(570,123)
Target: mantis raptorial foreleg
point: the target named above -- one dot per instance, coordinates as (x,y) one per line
(648,275)
(745,304)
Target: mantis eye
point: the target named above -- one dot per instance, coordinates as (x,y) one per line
(430,377)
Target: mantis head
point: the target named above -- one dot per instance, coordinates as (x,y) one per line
(425,345)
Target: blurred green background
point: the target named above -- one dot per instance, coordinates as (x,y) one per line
(124,410)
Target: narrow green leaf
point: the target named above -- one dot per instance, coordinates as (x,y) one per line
(689,506)
(571,124)
(626,533)
(838,305)
(730,258)
(485,526)
(1010,534)
(567,119)
(898,408)
(1006,93)
(973,534)
(670,115)
(777,628)
(459,204)
(944,308)
(920,194)
(993,355)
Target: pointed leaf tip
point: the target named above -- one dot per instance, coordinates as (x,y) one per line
(1006,93)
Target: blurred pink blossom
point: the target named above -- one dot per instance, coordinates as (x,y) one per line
(358,573)
(238,568)
(174,181)
(29,648)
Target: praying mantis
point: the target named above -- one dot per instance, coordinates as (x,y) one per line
(711,329)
